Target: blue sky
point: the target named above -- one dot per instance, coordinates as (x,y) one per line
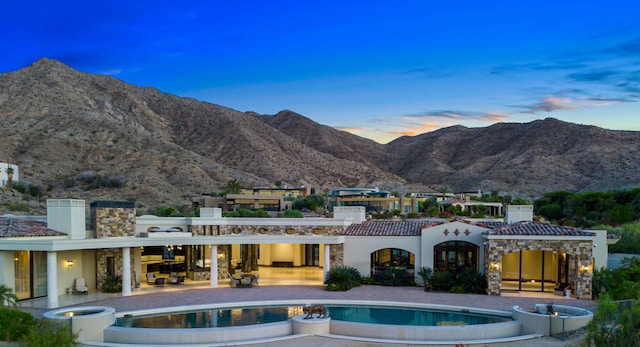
(378,69)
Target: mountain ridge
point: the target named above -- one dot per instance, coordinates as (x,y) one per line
(62,126)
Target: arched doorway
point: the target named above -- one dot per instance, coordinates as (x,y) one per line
(392,258)
(455,256)
(534,270)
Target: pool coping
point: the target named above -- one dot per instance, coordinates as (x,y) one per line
(286,335)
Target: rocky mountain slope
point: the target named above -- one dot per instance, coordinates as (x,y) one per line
(91,137)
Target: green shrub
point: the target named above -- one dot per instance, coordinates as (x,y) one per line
(112,284)
(368,280)
(381,215)
(426,273)
(292,214)
(19,186)
(457,289)
(615,323)
(343,278)
(472,281)
(394,277)
(442,281)
(48,333)
(7,297)
(414,215)
(14,324)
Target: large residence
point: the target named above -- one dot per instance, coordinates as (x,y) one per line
(42,258)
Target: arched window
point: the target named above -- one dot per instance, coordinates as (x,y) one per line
(455,256)
(394,258)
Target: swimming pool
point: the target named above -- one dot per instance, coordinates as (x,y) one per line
(361,319)
(241,316)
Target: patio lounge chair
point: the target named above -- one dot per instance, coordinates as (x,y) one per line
(234,282)
(151,278)
(174,278)
(159,281)
(254,281)
(80,286)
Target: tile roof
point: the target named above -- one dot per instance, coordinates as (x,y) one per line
(20,227)
(413,228)
(528,228)
(388,228)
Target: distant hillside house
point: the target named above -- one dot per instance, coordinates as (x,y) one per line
(372,199)
(259,198)
(42,259)
(4,176)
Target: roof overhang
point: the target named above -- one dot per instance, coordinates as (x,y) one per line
(54,245)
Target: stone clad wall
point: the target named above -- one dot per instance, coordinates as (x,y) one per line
(101,264)
(113,222)
(336,255)
(301,230)
(580,269)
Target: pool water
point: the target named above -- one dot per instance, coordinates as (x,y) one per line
(242,316)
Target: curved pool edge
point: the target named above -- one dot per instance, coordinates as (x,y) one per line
(186,336)
(284,330)
(306,302)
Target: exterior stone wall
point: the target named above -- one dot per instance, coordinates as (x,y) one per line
(101,264)
(580,269)
(336,255)
(306,230)
(113,219)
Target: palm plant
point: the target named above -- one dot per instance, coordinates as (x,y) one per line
(9,177)
(7,298)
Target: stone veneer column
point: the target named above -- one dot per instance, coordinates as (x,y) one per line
(52,279)
(214,266)
(126,271)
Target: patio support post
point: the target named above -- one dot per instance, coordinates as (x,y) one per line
(214,266)
(327,261)
(126,271)
(52,279)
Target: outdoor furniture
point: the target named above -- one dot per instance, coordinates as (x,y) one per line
(151,278)
(80,286)
(254,280)
(174,278)
(159,282)
(234,282)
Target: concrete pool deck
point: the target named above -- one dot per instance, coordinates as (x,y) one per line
(316,294)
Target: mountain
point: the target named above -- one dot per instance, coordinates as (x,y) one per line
(88,136)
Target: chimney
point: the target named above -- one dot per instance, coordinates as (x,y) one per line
(67,216)
(355,213)
(518,213)
(211,212)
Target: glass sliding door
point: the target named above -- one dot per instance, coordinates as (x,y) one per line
(30,274)
(39,278)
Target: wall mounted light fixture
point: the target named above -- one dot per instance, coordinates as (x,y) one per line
(70,263)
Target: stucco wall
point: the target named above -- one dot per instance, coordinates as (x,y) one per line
(358,249)
(454,231)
